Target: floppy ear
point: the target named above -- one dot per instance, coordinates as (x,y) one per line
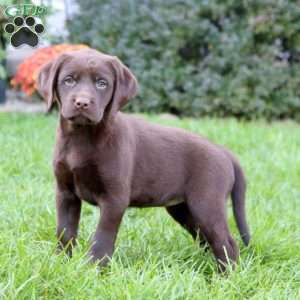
(46,81)
(126,86)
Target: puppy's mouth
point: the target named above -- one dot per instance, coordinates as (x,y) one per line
(81,120)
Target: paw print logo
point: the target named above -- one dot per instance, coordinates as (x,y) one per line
(24,31)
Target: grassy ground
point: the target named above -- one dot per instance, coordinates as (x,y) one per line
(155,258)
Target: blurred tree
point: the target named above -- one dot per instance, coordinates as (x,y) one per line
(200,57)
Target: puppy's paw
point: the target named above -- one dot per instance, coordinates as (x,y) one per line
(67,249)
(98,258)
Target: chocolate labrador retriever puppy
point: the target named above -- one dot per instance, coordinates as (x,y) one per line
(113,160)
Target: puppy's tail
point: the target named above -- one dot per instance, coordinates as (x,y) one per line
(238,201)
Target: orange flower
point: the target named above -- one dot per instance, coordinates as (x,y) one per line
(26,75)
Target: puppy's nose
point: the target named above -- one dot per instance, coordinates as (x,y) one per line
(82,102)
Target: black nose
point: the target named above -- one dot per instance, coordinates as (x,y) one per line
(82,102)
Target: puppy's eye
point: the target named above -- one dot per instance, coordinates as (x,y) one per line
(101,84)
(69,81)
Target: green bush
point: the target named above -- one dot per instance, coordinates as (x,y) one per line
(202,57)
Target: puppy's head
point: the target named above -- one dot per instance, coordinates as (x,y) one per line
(87,85)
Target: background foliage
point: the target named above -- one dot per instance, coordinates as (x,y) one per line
(200,57)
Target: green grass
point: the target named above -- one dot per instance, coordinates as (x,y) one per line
(155,258)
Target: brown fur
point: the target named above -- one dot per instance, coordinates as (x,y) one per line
(114,160)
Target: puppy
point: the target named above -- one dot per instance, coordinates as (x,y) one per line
(114,161)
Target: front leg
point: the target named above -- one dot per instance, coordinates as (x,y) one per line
(111,213)
(68,207)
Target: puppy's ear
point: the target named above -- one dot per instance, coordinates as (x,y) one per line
(46,81)
(126,85)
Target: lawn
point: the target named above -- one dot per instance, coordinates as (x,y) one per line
(155,258)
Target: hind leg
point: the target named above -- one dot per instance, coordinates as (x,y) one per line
(210,216)
(180,213)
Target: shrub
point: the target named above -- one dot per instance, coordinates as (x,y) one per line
(199,57)
(27,71)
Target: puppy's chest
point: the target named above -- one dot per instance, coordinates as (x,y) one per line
(87,180)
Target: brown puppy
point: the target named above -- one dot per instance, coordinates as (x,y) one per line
(114,161)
